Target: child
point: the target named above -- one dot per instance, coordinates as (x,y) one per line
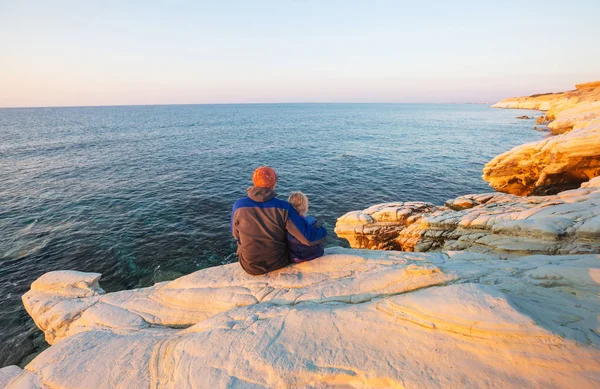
(298,251)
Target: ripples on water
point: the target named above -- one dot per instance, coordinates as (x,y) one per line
(143,194)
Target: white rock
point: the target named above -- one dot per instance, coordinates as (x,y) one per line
(353,318)
(9,374)
(568,222)
(198,296)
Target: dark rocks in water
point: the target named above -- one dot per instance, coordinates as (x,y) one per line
(524,117)
(541,129)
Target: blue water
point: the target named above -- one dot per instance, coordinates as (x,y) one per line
(143,193)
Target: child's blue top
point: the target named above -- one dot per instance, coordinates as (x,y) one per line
(300,252)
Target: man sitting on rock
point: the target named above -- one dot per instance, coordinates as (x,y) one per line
(259,224)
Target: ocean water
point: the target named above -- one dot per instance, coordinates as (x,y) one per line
(143,193)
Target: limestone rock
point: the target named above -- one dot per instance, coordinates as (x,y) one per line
(588,85)
(377,227)
(495,222)
(349,319)
(550,165)
(461,203)
(540,101)
(554,102)
(556,163)
(577,117)
(201,295)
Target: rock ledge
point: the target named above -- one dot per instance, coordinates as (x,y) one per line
(566,223)
(352,318)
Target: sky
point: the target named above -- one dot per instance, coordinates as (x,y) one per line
(80,53)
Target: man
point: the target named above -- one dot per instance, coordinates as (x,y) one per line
(259,224)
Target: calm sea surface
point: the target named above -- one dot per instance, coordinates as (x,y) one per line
(143,193)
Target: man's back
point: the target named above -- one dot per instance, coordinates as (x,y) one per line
(259,224)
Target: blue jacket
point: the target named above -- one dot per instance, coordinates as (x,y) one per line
(260,223)
(300,252)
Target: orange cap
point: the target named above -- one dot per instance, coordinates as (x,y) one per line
(264,177)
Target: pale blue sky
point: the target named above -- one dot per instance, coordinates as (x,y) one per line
(153,52)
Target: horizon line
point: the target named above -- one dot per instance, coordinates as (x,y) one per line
(260,103)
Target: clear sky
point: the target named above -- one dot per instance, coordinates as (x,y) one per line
(184,52)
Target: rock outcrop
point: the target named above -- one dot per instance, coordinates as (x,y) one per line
(557,163)
(566,223)
(66,303)
(541,102)
(551,165)
(554,102)
(352,318)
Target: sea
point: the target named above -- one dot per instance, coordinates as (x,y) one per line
(143,194)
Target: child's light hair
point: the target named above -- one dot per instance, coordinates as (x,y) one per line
(299,201)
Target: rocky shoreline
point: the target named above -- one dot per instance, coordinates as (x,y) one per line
(507,296)
(556,163)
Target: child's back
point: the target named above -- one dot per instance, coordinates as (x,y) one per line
(300,252)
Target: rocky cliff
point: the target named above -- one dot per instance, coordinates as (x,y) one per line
(554,102)
(361,319)
(555,163)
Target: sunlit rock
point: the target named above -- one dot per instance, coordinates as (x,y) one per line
(554,102)
(377,227)
(198,296)
(560,224)
(577,117)
(461,203)
(353,318)
(555,163)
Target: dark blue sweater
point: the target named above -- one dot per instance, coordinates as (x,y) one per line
(260,224)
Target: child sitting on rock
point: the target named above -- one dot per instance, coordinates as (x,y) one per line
(298,251)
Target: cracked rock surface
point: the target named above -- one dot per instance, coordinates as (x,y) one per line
(353,318)
(566,223)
